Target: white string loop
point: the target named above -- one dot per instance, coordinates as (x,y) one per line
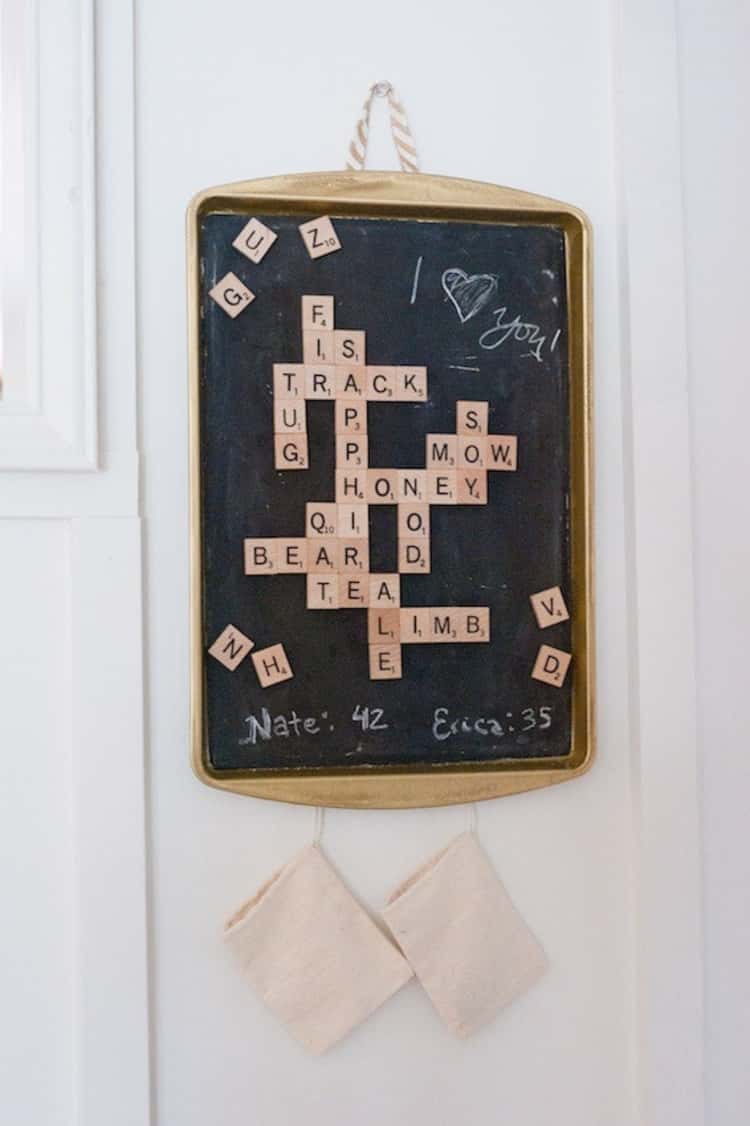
(473,818)
(318,824)
(403,138)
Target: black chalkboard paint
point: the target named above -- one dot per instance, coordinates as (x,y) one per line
(388,280)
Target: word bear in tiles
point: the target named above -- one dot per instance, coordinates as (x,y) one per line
(334,552)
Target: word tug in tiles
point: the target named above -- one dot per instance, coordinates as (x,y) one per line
(333,550)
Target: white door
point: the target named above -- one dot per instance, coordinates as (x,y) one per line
(122,866)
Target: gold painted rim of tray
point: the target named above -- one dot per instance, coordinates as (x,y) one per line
(412,196)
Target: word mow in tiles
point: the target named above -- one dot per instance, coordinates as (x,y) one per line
(333,549)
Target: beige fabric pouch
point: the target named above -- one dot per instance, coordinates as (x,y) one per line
(313,954)
(466,942)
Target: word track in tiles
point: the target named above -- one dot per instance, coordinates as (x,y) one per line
(390,516)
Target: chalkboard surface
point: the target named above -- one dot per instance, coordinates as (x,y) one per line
(481,306)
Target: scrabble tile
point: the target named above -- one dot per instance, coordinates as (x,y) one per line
(272,665)
(383,626)
(551,666)
(354,591)
(549,607)
(442,486)
(414,556)
(288,381)
(382,486)
(231,295)
(351,486)
(441,451)
(351,451)
(443,623)
(319,237)
(317,313)
(351,416)
(255,240)
(471,418)
(320,381)
(289,417)
(381,384)
(415,625)
(354,556)
(353,521)
(260,556)
(290,451)
(351,382)
(322,555)
(322,591)
(385,662)
(231,647)
(320,519)
(349,346)
(471,452)
(317,347)
(412,485)
(472,486)
(385,591)
(473,623)
(411,385)
(413,521)
(502,451)
(291,555)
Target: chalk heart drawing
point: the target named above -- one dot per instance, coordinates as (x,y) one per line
(468,293)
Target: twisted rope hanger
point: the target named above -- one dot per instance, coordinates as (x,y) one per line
(401,132)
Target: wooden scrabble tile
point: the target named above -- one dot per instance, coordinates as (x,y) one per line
(322,591)
(317,313)
(412,485)
(551,666)
(385,662)
(260,556)
(351,486)
(411,385)
(231,295)
(413,521)
(381,384)
(349,346)
(502,451)
(320,381)
(471,418)
(353,521)
(317,346)
(354,556)
(415,625)
(443,623)
(290,451)
(473,623)
(442,486)
(549,607)
(383,626)
(351,416)
(471,452)
(319,237)
(288,381)
(385,591)
(322,555)
(231,647)
(354,591)
(255,240)
(351,382)
(351,451)
(291,555)
(414,557)
(320,519)
(289,416)
(382,486)
(472,486)
(272,665)
(441,451)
